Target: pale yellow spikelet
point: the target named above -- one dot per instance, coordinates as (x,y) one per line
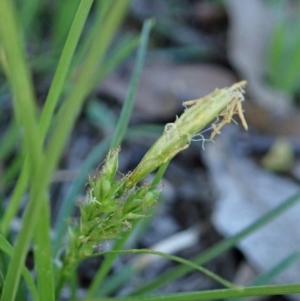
(220,105)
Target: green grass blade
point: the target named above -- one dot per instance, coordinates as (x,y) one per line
(14,202)
(9,141)
(13,170)
(160,173)
(28,13)
(26,118)
(62,70)
(275,271)
(275,54)
(102,9)
(177,259)
(70,109)
(39,187)
(67,206)
(42,254)
(150,130)
(291,77)
(73,283)
(267,290)
(219,248)
(20,82)
(6,247)
(63,18)
(129,100)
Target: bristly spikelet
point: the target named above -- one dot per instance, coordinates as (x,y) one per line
(234,107)
(221,104)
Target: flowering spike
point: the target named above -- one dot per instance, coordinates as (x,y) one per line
(222,103)
(111,164)
(111,206)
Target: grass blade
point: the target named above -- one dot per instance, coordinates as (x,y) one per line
(276,270)
(26,118)
(290,79)
(8,141)
(63,19)
(42,254)
(14,202)
(12,171)
(6,247)
(129,100)
(20,82)
(61,72)
(28,12)
(177,259)
(276,51)
(267,290)
(102,8)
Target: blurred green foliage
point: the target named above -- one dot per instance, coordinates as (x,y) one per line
(283,57)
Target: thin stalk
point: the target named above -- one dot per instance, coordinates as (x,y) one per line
(180,260)
(266,277)
(42,254)
(7,248)
(15,200)
(267,290)
(26,118)
(63,66)
(20,82)
(122,125)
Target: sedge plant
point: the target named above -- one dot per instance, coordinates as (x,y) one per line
(113,205)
